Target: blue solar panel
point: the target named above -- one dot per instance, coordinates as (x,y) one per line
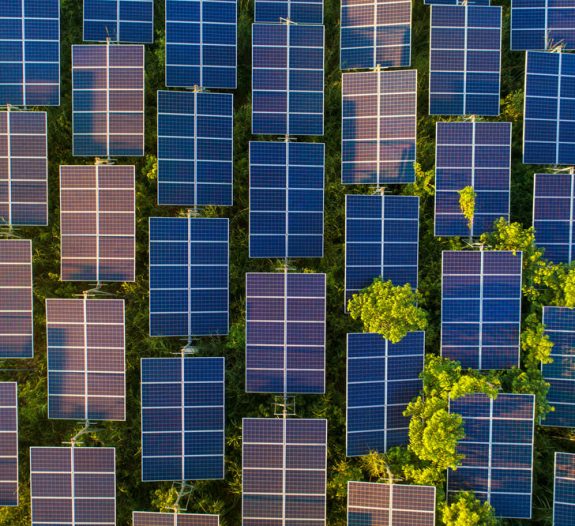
(201,43)
(9,443)
(564,489)
(183,419)
(189,276)
(130,21)
(481,308)
(286,199)
(498,449)
(30,53)
(149,518)
(465,60)
(375,33)
(379,127)
(297,11)
(287,79)
(195,148)
(548,134)
(381,240)
(475,154)
(285,333)
(457,2)
(382,378)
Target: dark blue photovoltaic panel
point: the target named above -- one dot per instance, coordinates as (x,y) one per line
(183,419)
(375,33)
(498,452)
(457,2)
(481,308)
(195,148)
(189,276)
(564,490)
(286,199)
(465,60)
(297,11)
(129,21)
(284,471)
(201,43)
(381,240)
(548,132)
(9,443)
(30,53)
(477,155)
(287,79)
(149,518)
(379,127)
(285,333)
(382,378)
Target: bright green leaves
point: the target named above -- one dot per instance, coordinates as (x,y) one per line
(467,205)
(467,510)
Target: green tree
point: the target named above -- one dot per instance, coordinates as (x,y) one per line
(467,510)
(467,198)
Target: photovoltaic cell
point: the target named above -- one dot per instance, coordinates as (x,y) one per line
(195,148)
(375,33)
(108,100)
(284,471)
(548,134)
(30,53)
(481,308)
(457,2)
(476,155)
(382,378)
(201,43)
(97,223)
(16,322)
(379,127)
(147,518)
(130,21)
(183,419)
(564,489)
(287,79)
(9,443)
(72,486)
(297,11)
(498,449)
(86,364)
(465,60)
(285,333)
(286,199)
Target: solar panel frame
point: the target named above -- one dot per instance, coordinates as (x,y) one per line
(457,2)
(564,483)
(297,11)
(9,445)
(149,518)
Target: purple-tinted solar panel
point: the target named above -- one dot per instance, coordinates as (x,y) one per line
(97,223)
(9,444)
(86,369)
(564,490)
(148,518)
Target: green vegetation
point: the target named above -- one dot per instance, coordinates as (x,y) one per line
(467,205)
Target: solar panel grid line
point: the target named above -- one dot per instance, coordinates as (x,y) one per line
(9,444)
(148,518)
(564,489)
(297,11)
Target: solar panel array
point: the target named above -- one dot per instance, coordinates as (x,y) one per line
(86,362)
(476,155)
(146,518)
(189,276)
(30,53)
(286,199)
(379,127)
(183,419)
(498,449)
(195,148)
(465,60)
(297,11)
(9,444)
(548,136)
(284,471)
(97,223)
(130,21)
(108,100)
(564,489)
(382,378)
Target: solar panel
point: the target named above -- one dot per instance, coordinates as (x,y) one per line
(382,378)
(286,199)
(379,127)
(284,471)
(189,276)
(9,443)
(375,504)
(195,148)
(130,21)
(16,321)
(465,60)
(564,489)
(287,79)
(476,155)
(375,33)
(201,43)
(183,421)
(481,308)
(147,518)
(108,100)
(297,11)
(381,240)
(498,449)
(30,53)
(97,223)
(86,365)
(457,2)
(548,116)
(285,333)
